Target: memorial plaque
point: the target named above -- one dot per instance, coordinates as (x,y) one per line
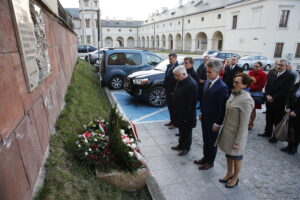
(30,30)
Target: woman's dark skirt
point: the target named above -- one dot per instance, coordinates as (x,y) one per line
(234,157)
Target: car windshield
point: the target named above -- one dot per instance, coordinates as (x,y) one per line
(163,65)
(246,58)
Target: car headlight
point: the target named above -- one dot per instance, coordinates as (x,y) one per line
(140,81)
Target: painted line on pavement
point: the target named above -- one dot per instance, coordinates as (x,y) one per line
(150,115)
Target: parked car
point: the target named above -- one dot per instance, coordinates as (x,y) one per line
(84,49)
(209,53)
(116,64)
(93,56)
(148,84)
(247,62)
(223,55)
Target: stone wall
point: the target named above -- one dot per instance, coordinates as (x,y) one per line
(27,119)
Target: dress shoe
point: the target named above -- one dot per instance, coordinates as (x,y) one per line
(183,152)
(292,151)
(206,166)
(176,148)
(273,140)
(172,126)
(168,124)
(177,134)
(225,180)
(232,186)
(263,135)
(285,149)
(200,162)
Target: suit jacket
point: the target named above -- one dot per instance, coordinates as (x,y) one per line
(229,75)
(193,74)
(184,101)
(293,101)
(235,125)
(213,102)
(278,88)
(170,81)
(201,71)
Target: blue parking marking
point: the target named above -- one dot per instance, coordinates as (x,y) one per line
(139,111)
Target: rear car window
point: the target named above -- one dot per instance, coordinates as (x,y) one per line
(116,59)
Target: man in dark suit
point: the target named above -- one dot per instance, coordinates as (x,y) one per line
(184,102)
(169,85)
(231,71)
(201,71)
(215,95)
(277,90)
(188,64)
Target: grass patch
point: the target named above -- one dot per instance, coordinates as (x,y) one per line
(65,178)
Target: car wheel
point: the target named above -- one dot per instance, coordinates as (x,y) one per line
(116,82)
(156,97)
(267,67)
(245,66)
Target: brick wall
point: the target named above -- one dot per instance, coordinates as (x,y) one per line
(27,119)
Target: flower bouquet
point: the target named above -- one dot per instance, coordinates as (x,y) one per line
(107,145)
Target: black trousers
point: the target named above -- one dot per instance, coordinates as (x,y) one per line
(209,139)
(185,137)
(273,117)
(170,106)
(294,132)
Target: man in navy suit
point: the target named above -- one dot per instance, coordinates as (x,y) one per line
(215,95)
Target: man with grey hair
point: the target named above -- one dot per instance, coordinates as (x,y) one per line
(215,95)
(184,103)
(276,91)
(169,85)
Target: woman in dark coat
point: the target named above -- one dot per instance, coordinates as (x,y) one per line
(293,109)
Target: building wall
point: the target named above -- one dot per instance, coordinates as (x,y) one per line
(259,35)
(27,119)
(112,36)
(257,30)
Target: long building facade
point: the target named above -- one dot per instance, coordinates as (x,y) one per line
(247,27)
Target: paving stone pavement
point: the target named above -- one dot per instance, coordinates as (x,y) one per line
(267,173)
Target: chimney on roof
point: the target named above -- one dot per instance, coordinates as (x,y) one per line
(205,2)
(180,3)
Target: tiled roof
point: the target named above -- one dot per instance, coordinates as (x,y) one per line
(74,12)
(192,7)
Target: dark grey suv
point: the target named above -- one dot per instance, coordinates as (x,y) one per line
(116,64)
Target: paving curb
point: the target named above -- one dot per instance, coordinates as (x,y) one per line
(152,184)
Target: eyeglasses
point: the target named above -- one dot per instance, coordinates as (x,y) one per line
(281,65)
(235,83)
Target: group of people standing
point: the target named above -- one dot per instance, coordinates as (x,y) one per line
(227,110)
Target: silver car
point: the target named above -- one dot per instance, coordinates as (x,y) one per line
(94,56)
(247,62)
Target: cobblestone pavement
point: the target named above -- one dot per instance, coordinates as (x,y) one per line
(267,173)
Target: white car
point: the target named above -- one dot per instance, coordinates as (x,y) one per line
(247,62)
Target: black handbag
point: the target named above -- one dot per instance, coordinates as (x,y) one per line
(258,97)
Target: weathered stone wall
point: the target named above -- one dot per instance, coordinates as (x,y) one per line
(27,119)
